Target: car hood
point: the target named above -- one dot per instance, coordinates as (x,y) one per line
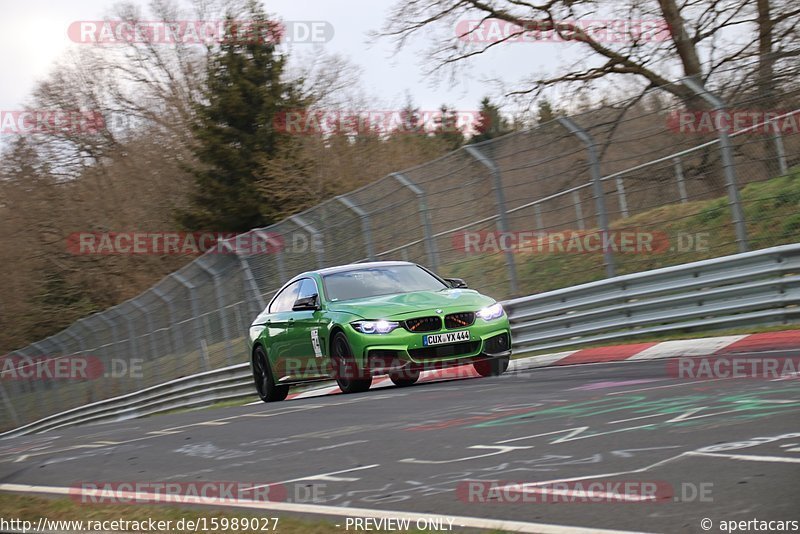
(406,305)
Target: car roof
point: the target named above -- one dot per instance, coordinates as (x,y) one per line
(353,266)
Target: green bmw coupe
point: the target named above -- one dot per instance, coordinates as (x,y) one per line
(353,322)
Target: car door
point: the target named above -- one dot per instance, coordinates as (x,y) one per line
(279,326)
(307,345)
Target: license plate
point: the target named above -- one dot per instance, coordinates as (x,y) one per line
(443,339)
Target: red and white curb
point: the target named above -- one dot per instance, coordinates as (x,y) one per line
(687,348)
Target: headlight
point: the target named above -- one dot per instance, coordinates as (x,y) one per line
(375,327)
(488,313)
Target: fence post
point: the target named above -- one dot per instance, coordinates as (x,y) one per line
(780,151)
(150,327)
(497,185)
(191,288)
(7,401)
(678,165)
(177,339)
(278,255)
(64,350)
(365,224)
(727,162)
(597,188)
(623,201)
(317,238)
(576,200)
(248,278)
(220,298)
(425,217)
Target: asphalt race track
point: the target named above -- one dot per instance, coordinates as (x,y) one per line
(415,449)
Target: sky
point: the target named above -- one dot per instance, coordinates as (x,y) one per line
(33,37)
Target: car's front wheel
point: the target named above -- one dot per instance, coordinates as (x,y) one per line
(404,378)
(268,391)
(348,376)
(493,367)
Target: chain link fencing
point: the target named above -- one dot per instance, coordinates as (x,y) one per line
(650,182)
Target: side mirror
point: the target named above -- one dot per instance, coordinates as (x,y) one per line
(456,283)
(308,303)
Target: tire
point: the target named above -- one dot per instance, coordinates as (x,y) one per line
(404,378)
(346,372)
(268,391)
(493,367)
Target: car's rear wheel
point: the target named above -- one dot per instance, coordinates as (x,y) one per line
(347,373)
(493,367)
(268,391)
(404,378)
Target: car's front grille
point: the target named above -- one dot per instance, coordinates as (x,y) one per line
(459,320)
(443,351)
(423,324)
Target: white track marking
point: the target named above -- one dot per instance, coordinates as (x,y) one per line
(580,494)
(340,445)
(498,449)
(747,457)
(686,348)
(335,511)
(330,477)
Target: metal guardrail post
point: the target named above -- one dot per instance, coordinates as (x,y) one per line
(42,354)
(7,402)
(678,166)
(192,289)
(425,217)
(150,327)
(727,163)
(317,238)
(86,323)
(623,201)
(497,185)
(278,256)
(62,349)
(576,200)
(597,188)
(248,278)
(177,338)
(220,298)
(780,151)
(537,217)
(365,224)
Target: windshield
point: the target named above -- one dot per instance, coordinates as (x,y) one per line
(376,281)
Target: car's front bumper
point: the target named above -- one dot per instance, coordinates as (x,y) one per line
(403,350)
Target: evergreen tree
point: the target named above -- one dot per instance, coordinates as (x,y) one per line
(546,113)
(490,123)
(447,129)
(238,125)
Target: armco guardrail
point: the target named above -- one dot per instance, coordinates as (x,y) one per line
(202,389)
(752,288)
(761,287)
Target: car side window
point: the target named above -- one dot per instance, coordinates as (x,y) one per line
(308,287)
(286,298)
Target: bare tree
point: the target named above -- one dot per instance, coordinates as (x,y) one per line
(707,39)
